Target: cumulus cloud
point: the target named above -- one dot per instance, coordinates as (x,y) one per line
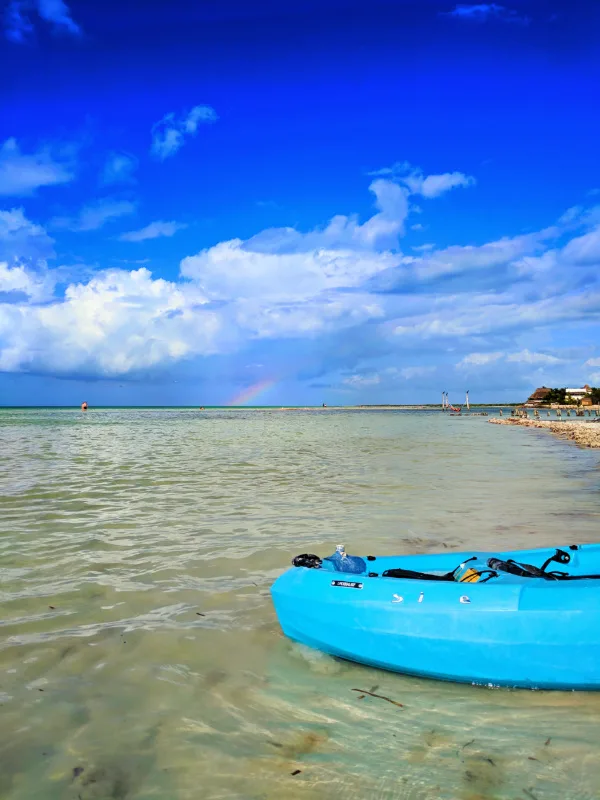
(18,280)
(153,231)
(169,134)
(343,291)
(21,174)
(18,24)
(119,168)
(118,323)
(285,265)
(230,270)
(482,12)
(95,215)
(425,185)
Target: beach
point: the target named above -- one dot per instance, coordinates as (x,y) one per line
(585,434)
(140,653)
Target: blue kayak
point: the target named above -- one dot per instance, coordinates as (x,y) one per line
(524,618)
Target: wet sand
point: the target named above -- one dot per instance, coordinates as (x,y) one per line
(585,434)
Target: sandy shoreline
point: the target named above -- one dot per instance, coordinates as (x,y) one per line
(583,433)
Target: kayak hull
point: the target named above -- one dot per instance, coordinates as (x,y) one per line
(520,633)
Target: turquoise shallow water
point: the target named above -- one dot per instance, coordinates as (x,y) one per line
(139,652)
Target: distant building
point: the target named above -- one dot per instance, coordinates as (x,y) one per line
(579,394)
(538,397)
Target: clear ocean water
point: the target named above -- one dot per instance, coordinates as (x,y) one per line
(140,656)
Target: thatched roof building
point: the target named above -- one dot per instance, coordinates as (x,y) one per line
(538,397)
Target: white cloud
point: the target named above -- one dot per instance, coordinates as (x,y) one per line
(57,13)
(482,12)
(584,250)
(388,376)
(362,381)
(153,231)
(423,248)
(595,378)
(21,239)
(169,134)
(288,284)
(285,265)
(18,18)
(527,357)
(119,168)
(95,215)
(416,372)
(268,318)
(37,287)
(18,25)
(228,270)
(428,186)
(435,185)
(479,360)
(379,232)
(21,174)
(458,259)
(482,314)
(592,362)
(119,322)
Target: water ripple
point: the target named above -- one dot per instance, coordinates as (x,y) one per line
(138,642)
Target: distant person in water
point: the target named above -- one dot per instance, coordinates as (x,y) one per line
(84,406)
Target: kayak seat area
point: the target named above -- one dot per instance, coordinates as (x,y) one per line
(473,570)
(476,570)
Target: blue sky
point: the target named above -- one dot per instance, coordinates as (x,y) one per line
(340,202)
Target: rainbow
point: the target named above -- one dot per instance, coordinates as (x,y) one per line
(251,392)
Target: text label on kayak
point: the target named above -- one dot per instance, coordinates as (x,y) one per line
(348,584)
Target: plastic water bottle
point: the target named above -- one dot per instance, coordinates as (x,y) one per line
(341,550)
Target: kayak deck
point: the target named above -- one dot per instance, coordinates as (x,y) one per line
(501,629)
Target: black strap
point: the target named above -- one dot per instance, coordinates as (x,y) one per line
(563,576)
(516,568)
(423,576)
(560,556)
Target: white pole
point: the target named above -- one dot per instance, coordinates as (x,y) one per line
(443,401)
(468,406)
